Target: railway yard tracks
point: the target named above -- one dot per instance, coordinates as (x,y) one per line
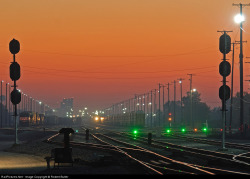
(161,157)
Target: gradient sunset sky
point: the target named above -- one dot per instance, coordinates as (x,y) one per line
(105,51)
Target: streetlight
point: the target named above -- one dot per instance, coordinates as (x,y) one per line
(6,105)
(40,102)
(9,107)
(31,104)
(193,106)
(191,100)
(24,100)
(239,18)
(180,81)
(1,104)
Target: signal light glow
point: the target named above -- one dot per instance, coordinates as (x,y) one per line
(183,130)
(135,131)
(195,130)
(168,131)
(205,129)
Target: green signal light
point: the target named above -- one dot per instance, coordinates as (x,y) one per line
(135,132)
(168,131)
(205,129)
(183,130)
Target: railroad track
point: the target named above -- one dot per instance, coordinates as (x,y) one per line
(152,162)
(242,160)
(243,157)
(213,142)
(220,159)
(162,164)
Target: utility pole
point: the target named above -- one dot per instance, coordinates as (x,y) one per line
(232,81)
(241,71)
(144,106)
(168,99)
(9,121)
(113,114)
(135,103)
(141,103)
(1,104)
(161,85)
(129,112)
(155,106)
(159,104)
(151,108)
(6,115)
(191,100)
(180,81)
(163,110)
(147,103)
(174,97)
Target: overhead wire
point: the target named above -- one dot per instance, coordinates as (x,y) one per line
(123,56)
(84,74)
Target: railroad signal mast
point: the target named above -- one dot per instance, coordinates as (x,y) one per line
(14,47)
(170,119)
(224,70)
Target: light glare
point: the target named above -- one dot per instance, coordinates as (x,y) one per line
(239,18)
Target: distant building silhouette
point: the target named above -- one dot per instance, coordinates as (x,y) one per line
(66,108)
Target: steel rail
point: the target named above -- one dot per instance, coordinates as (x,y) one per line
(203,154)
(125,151)
(214,142)
(158,155)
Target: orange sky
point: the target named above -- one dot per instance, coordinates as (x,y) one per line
(103,52)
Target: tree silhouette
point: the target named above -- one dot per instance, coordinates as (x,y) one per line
(200,110)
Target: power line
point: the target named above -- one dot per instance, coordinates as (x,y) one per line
(81,71)
(123,56)
(94,77)
(122,72)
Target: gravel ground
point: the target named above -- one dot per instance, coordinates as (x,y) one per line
(32,142)
(87,161)
(202,146)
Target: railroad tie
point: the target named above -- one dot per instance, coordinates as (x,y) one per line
(155,162)
(164,162)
